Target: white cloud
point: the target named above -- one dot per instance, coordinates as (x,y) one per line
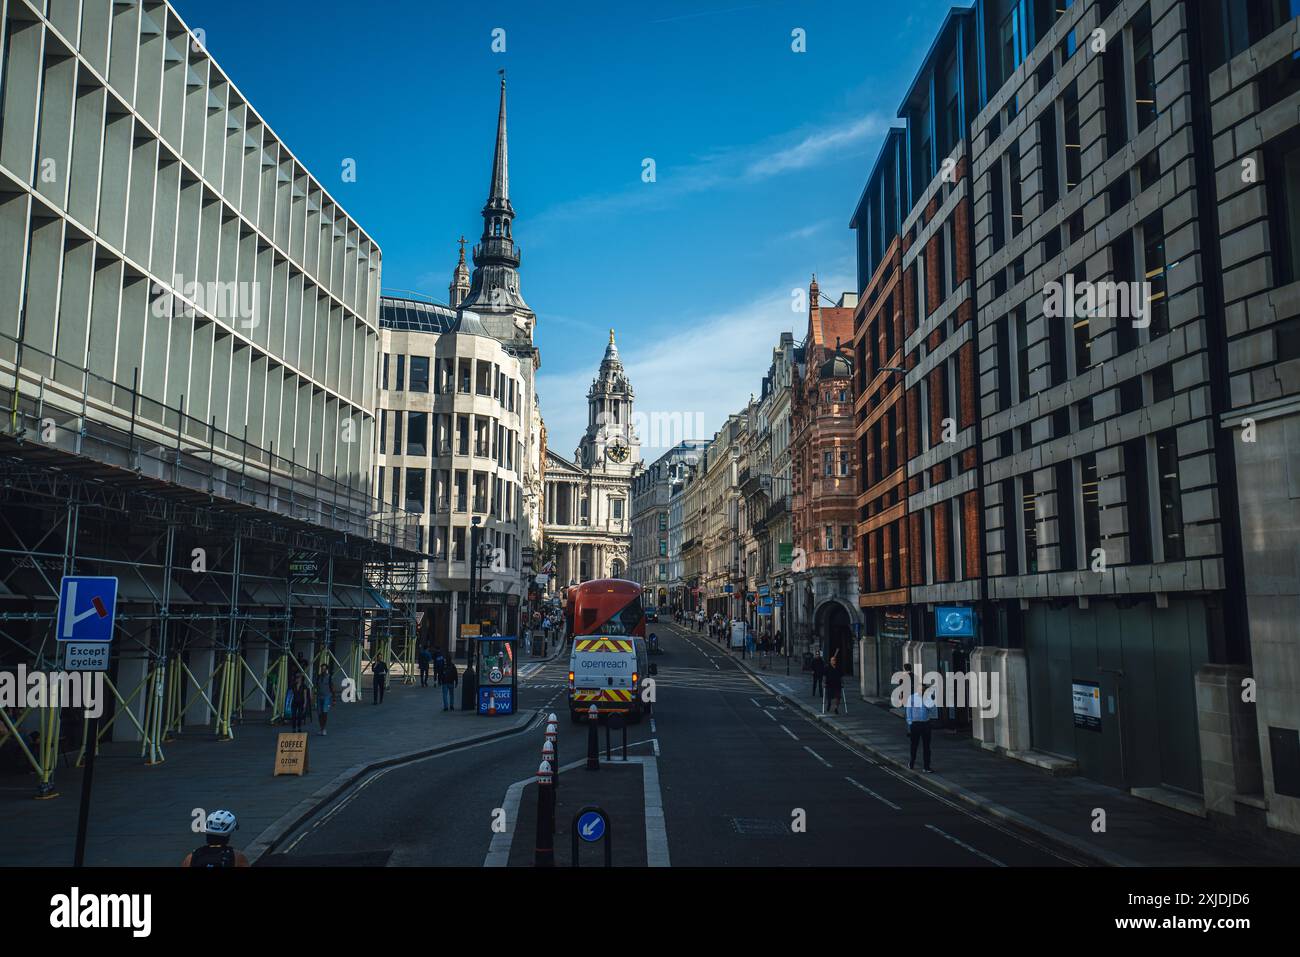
(725,168)
(704,371)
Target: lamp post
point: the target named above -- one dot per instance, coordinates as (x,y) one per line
(471,611)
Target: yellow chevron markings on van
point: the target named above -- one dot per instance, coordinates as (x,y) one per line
(602,694)
(602,644)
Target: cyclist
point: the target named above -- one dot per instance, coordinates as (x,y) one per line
(216,851)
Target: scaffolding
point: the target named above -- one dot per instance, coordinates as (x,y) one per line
(236,567)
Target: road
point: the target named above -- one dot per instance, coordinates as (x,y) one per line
(742,779)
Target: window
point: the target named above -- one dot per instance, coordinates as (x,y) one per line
(997,203)
(415,490)
(1144,70)
(417,433)
(1282,184)
(663,547)
(383,381)
(1171,503)
(1138,503)
(1153,254)
(397,433)
(1073,142)
(618,508)
(844,462)
(419,373)
(846,538)
(830,538)
(1022,353)
(458,544)
(401,374)
(379,488)
(663,521)
(1017,205)
(1067,547)
(827,462)
(383,435)
(1010,539)
(1030,518)
(1112,84)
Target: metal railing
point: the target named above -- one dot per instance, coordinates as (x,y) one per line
(61,406)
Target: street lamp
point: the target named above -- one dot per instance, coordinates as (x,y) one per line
(480,554)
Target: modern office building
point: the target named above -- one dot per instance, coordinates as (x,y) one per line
(1125,168)
(188,348)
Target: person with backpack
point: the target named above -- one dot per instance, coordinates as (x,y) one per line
(380,672)
(448,677)
(216,850)
(818,672)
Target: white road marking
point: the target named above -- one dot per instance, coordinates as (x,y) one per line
(770,715)
(755,703)
(992,860)
(652,726)
(789,732)
(863,787)
(816,755)
(656,831)
(655,743)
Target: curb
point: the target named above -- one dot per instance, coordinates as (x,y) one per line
(270,838)
(970,798)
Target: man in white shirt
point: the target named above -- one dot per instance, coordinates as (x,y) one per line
(920,711)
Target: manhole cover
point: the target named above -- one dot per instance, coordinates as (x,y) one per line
(760,827)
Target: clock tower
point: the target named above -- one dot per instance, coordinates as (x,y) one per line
(610,444)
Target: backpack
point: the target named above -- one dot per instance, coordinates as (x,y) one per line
(213,855)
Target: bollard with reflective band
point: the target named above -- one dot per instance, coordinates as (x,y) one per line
(552,719)
(553,736)
(593,741)
(544,846)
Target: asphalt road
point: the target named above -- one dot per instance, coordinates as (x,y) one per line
(743,781)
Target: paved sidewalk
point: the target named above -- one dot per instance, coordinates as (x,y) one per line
(141,815)
(1029,799)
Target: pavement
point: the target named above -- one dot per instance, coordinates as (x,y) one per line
(141,815)
(1030,800)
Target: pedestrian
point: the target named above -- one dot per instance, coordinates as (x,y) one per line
(920,711)
(447,678)
(778,643)
(834,683)
(379,671)
(299,701)
(818,671)
(425,659)
(324,695)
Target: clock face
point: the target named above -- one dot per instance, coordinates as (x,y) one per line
(618,450)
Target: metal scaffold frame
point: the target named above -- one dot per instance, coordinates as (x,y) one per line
(236,567)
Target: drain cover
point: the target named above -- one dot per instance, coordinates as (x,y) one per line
(760,827)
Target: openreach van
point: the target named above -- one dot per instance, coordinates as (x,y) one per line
(606,666)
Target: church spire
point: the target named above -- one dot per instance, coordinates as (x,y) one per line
(494,287)
(459,288)
(499,191)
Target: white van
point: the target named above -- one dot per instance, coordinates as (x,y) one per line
(606,672)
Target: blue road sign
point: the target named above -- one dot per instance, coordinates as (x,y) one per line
(951,621)
(87,604)
(591,826)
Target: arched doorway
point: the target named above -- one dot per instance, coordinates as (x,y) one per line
(616,569)
(835,634)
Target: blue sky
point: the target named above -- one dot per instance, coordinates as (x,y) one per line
(760,154)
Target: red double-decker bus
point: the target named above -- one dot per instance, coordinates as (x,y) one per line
(606,606)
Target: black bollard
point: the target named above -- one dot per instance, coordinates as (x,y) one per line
(593,742)
(616,723)
(544,848)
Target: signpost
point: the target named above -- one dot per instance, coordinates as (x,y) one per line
(591,824)
(84,623)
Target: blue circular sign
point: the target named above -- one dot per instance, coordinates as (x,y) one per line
(591,826)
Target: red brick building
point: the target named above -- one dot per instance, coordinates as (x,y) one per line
(823,457)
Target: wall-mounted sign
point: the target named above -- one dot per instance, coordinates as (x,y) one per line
(785,552)
(951,621)
(1086,704)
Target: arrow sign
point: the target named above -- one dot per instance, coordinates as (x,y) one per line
(591,826)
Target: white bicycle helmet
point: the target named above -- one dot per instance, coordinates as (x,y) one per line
(221,823)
